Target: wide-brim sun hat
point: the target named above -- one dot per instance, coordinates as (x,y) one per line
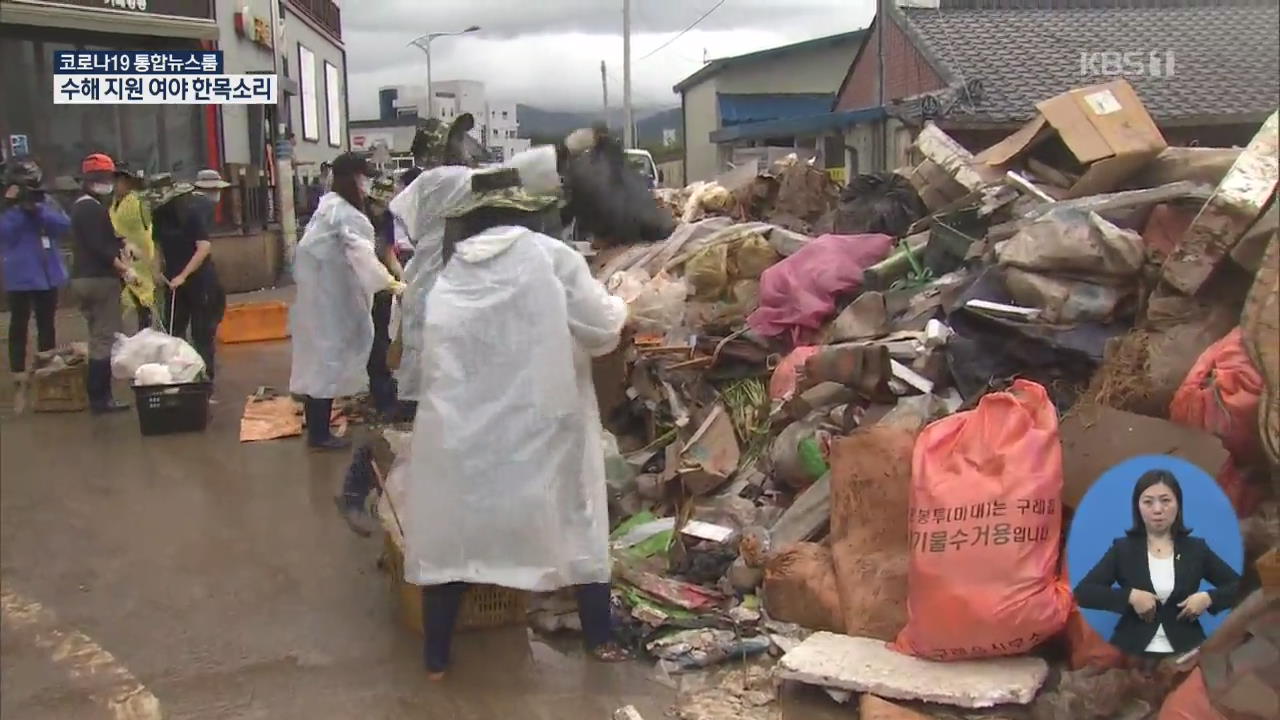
(209,179)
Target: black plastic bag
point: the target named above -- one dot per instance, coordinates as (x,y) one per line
(878,203)
(610,200)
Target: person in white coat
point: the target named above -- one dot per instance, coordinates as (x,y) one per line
(337,272)
(507,477)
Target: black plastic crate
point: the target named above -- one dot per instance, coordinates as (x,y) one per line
(165,409)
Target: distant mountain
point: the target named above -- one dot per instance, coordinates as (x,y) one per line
(547,124)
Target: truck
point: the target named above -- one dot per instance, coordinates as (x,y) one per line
(642,162)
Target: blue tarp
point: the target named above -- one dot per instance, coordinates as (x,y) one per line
(815,124)
(737,109)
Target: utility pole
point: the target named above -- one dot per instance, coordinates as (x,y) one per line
(881,19)
(604,86)
(628,137)
(283,155)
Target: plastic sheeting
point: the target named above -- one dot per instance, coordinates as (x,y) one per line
(507,485)
(799,294)
(150,346)
(337,272)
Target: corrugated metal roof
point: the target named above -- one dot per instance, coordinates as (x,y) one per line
(736,109)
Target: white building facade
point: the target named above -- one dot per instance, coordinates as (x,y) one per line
(497,126)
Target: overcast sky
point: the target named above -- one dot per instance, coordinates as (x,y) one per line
(547,52)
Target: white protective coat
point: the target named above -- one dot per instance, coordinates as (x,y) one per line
(507,483)
(337,272)
(419,209)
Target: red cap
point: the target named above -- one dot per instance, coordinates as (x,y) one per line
(97,163)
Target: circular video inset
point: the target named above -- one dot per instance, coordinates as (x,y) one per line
(1154,556)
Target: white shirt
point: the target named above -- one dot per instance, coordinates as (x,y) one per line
(1162,582)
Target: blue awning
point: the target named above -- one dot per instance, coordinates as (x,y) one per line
(815,124)
(737,109)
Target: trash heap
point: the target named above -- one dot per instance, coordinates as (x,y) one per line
(851,427)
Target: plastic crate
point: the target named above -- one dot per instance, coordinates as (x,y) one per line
(62,390)
(254,322)
(165,409)
(483,606)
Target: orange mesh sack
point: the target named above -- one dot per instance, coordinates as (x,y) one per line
(985,524)
(1189,701)
(1220,395)
(1088,649)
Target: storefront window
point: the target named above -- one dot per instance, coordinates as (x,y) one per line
(157,138)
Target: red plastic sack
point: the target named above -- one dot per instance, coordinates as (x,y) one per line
(1086,648)
(1245,496)
(1220,395)
(799,294)
(782,385)
(985,524)
(1189,701)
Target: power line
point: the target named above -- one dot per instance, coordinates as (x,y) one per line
(682,32)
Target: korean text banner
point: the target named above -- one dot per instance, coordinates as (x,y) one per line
(164,89)
(141,62)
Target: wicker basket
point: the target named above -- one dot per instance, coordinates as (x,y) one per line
(483,607)
(62,390)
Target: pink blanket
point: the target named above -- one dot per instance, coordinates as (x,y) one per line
(799,294)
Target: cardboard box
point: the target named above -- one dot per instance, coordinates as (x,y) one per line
(1105,127)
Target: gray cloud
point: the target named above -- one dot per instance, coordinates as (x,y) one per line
(548,53)
(511,18)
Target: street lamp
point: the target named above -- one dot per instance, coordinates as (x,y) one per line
(424,44)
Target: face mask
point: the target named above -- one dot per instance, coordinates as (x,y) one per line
(101,188)
(214,195)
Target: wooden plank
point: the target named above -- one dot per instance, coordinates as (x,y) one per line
(806,517)
(951,156)
(1235,205)
(1108,205)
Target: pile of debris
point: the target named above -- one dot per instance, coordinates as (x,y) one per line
(789,193)
(806,425)
(850,426)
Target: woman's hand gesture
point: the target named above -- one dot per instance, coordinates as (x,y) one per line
(1194,606)
(1144,603)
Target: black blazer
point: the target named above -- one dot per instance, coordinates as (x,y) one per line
(1126,565)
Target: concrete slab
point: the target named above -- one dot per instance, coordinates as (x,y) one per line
(868,665)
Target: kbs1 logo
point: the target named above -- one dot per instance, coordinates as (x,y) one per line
(1138,63)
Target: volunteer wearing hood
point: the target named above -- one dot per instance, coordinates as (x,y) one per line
(31,226)
(507,477)
(337,272)
(96,275)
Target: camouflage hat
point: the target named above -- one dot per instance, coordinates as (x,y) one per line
(161,189)
(500,188)
(383,190)
(429,143)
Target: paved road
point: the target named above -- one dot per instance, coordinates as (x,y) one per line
(191,576)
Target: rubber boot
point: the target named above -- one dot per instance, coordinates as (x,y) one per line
(319,436)
(20,385)
(356,486)
(100,400)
